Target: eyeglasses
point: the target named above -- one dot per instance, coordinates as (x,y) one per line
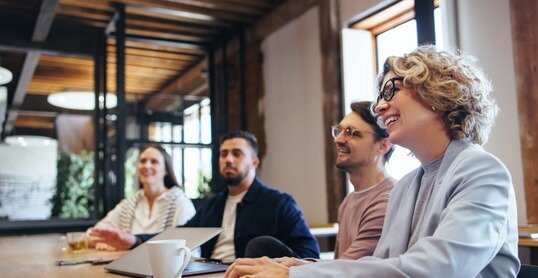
(387,93)
(348,132)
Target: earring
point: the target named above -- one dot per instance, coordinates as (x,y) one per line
(433,108)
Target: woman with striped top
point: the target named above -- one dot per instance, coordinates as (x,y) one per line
(159,204)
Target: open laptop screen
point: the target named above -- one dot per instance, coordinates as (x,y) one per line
(136,262)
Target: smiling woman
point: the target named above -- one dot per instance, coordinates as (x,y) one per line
(459,204)
(159,204)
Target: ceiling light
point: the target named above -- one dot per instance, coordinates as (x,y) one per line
(3,95)
(5,76)
(79,100)
(30,141)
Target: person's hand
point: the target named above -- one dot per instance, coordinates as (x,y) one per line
(113,237)
(104,247)
(255,268)
(291,261)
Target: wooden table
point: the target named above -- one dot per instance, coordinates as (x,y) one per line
(326,237)
(35,256)
(529,242)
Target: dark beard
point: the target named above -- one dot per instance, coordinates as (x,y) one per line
(343,166)
(231,181)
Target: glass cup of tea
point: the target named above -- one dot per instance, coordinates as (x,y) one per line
(76,241)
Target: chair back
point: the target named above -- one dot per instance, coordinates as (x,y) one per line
(528,271)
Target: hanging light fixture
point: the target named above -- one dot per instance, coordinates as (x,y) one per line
(80,100)
(3,105)
(30,141)
(5,76)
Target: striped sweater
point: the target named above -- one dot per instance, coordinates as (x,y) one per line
(133,214)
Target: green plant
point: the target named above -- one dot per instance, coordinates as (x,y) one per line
(204,184)
(131,175)
(74,186)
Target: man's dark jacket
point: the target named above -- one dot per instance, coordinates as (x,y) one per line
(262,212)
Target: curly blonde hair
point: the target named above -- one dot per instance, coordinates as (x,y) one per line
(450,82)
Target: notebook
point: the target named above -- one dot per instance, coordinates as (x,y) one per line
(136,262)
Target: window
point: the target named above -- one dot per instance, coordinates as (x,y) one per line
(389,31)
(47,183)
(190,147)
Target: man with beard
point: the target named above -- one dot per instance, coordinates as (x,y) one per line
(247,208)
(363,148)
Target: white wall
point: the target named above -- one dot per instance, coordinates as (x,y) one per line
(485,32)
(295,160)
(350,9)
(293,98)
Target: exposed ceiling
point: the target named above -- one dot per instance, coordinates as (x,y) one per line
(49,47)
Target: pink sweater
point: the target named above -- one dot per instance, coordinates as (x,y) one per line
(360,219)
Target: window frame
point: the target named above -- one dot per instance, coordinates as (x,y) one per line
(383,19)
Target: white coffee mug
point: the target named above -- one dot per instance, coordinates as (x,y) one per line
(168,258)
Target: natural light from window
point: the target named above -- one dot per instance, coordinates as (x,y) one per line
(190,163)
(397,41)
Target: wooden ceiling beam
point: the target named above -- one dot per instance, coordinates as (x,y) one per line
(44,20)
(67,60)
(185,83)
(66,42)
(25,77)
(78,14)
(165,39)
(193,75)
(189,11)
(165,35)
(164,42)
(42,26)
(279,17)
(70,47)
(36,122)
(152,62)
(145,72)
(179,20)
(132,52)
(264,4)
(160,48)
(163,24)
(95,5)
(226,6)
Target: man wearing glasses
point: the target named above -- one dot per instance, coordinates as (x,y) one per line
(363,148)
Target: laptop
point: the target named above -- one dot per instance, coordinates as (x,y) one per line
(136,262)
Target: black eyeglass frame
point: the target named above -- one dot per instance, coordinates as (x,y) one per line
(386,95)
